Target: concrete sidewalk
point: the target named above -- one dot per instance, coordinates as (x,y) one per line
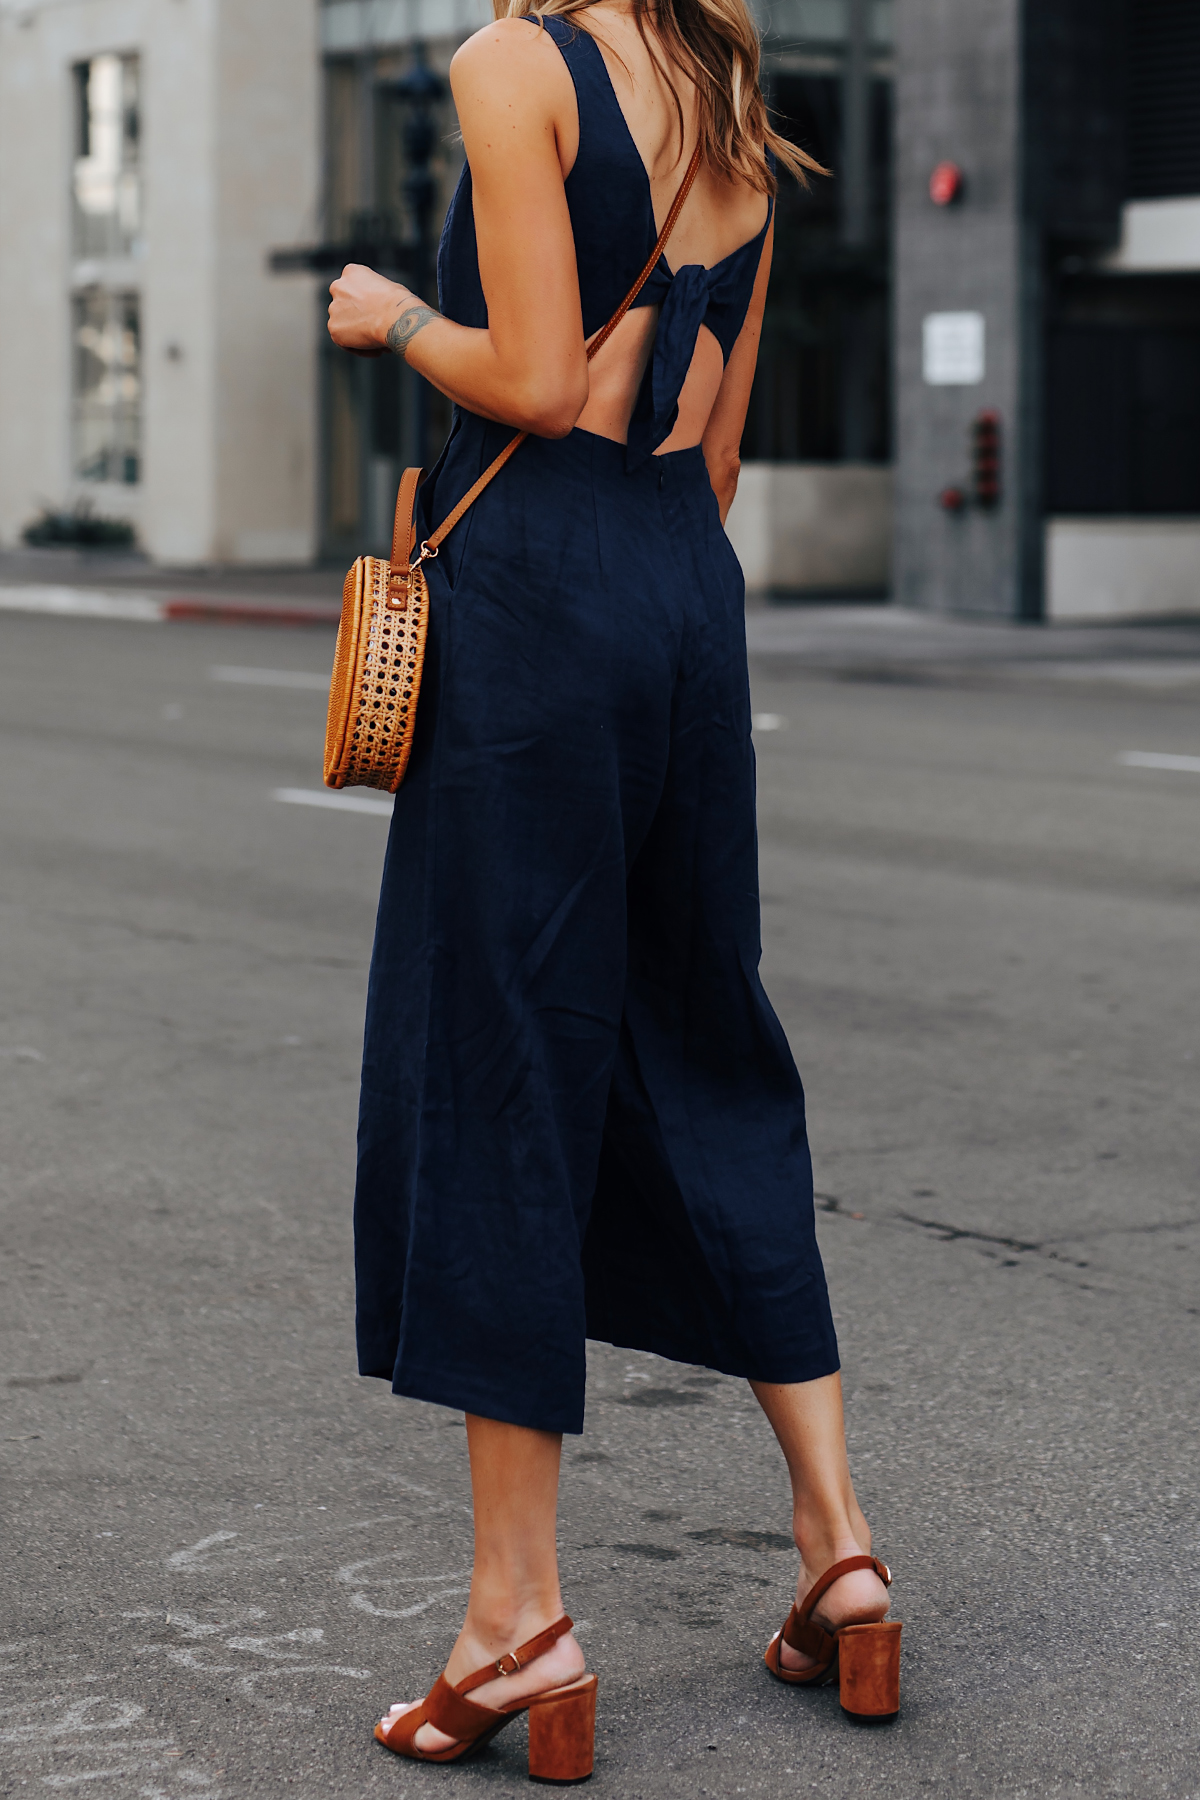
(892,643)
(114,571)
(76,584)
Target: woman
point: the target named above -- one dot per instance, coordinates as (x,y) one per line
(580,1115)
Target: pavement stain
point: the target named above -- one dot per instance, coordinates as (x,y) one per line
(67,1378)
(830,1203)
(742,1539)
(661,1396)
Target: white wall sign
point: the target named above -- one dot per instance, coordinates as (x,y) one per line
(952,349)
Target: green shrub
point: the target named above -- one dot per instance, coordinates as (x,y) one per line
(81,528)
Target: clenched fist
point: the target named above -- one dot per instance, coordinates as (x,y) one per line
(363,307)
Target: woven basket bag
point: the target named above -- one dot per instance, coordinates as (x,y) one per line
(385,610)
(378,661)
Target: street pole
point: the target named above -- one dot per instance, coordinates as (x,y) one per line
(855,175)
(420,90)
(856,126)
(363,225)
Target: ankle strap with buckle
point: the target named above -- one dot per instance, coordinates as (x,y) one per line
(512,1660)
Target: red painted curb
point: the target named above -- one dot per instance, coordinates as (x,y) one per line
(228,612)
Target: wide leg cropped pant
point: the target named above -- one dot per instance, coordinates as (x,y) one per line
(580,1116)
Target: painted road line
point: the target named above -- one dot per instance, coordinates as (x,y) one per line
(336,801)
(768,722)
(278,678)
(1157,759)
(82,603)
(1150,672)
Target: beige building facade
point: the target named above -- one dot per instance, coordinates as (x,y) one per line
(152,152)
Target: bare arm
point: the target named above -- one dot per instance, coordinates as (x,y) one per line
(722,438)
(528,367)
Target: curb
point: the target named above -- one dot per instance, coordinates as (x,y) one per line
(231,612)
(154,609)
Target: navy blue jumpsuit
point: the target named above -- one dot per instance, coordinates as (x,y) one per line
(580,1116)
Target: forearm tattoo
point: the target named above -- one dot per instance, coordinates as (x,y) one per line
(405,328)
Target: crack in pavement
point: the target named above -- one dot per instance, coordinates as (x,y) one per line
(1044,1246)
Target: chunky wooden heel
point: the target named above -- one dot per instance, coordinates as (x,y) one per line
(869,1671)
(562,1733)
(561,1720)
(866,1658)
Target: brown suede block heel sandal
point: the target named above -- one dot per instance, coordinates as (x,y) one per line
(865,1658)
(562,1721)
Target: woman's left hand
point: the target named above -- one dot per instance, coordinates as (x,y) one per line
(364,305)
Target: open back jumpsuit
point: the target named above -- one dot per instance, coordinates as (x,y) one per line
(580,1116)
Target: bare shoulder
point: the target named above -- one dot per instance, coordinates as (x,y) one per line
(507,61)
(745,209)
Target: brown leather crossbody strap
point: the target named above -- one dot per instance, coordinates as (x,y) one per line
(685,187)
(403,536)
(406,499)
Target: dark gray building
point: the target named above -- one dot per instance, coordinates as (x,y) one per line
(1047,311)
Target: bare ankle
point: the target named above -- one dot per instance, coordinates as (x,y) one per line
(815,1558)
(499,1622)
(823,1539)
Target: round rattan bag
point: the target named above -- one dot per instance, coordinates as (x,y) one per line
(377,664)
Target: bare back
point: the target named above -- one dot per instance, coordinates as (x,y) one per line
(549,225)
(718,218)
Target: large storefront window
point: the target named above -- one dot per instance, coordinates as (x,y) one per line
(107,383)
(1122,347)
(822,392)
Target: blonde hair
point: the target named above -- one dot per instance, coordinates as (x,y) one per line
(715,44)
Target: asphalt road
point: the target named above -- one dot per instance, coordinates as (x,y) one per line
(223,1554)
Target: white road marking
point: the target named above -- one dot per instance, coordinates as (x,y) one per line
(1156,759)
(68,1781)
(283,678)
(83,603)
(768,722)
(340,802)
(75,1720)
(1151,672)
(191,1560)
(352,1575)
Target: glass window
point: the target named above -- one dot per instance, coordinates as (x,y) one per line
(822,389)
(107,176)
(1164,120)
(822,21)
(107,386)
